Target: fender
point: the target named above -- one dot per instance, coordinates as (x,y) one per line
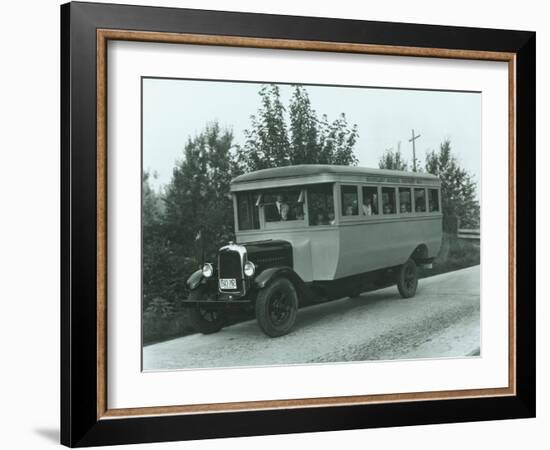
(266,276)
(195,279)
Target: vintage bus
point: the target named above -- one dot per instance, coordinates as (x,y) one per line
(310,233)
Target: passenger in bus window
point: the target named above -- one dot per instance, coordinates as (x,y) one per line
(370,201)
(321,218)
(419,200)
(284,211)
(367,207)
(320,204)
(331,219)
(299,212)
(278,210)
(433,200)
(350,206)
(404,200)
(388,200)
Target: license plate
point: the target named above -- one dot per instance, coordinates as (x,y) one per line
(228,283)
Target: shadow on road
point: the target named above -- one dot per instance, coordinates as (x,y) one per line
(312,314)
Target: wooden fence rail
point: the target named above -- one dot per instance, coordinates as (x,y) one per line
(464,233)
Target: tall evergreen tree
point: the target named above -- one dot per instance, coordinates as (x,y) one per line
(197,197)
(458,189)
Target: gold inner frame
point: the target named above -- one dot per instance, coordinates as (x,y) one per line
(104,35)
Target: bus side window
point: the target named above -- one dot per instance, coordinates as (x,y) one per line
(320,204)
(370,201)
(420,200)
(388,200)
(433,200)
(350,201)
(405,204)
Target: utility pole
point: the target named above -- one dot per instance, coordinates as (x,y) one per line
(412,139)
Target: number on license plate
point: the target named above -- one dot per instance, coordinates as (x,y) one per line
(228,283)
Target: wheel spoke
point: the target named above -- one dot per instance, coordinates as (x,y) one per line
(279,307)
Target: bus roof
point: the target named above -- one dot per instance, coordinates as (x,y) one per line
(325,173)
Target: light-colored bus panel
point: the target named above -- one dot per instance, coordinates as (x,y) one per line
(385,243)
(315,250)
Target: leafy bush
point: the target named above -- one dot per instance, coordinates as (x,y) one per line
(163,321)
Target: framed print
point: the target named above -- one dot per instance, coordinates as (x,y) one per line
(277,224)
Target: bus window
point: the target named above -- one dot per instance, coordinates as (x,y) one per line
(283,205)
(350,201)
(320,204)
(388,200)
(405,200)
(433,200)
(247,211)
(420,200)
(370,201)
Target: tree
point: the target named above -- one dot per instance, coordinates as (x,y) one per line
(458,189)
(304,129)
(196,201)
(156,263)
(197,198)
(266,142)
(337,141)
(274,140)
(393,160)
(152,203)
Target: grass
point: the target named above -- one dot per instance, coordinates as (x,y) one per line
(162,327)
(455,254)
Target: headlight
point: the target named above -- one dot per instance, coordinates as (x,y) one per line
(207,270)
(249,268)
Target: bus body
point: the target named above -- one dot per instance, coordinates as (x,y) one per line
(319,232)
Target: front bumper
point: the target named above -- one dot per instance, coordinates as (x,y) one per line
(214,303)
(218,299)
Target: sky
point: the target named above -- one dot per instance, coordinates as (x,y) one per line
(174,110)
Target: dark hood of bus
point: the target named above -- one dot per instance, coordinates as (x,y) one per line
(272,253)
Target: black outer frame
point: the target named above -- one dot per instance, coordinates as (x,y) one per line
(79,424)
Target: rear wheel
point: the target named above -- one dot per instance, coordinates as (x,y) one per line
(204,320)
(277,307)
(407,279)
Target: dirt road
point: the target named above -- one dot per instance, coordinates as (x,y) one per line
(442,320)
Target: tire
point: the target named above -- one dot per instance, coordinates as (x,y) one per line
(277,307)
(407,279)
(203,320)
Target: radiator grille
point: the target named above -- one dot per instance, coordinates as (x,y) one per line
(230,266)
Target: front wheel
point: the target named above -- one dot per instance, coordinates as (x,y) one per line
(407,280)
(204,320)
(277,307)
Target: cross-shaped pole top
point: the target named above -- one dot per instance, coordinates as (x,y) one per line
(413,139)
